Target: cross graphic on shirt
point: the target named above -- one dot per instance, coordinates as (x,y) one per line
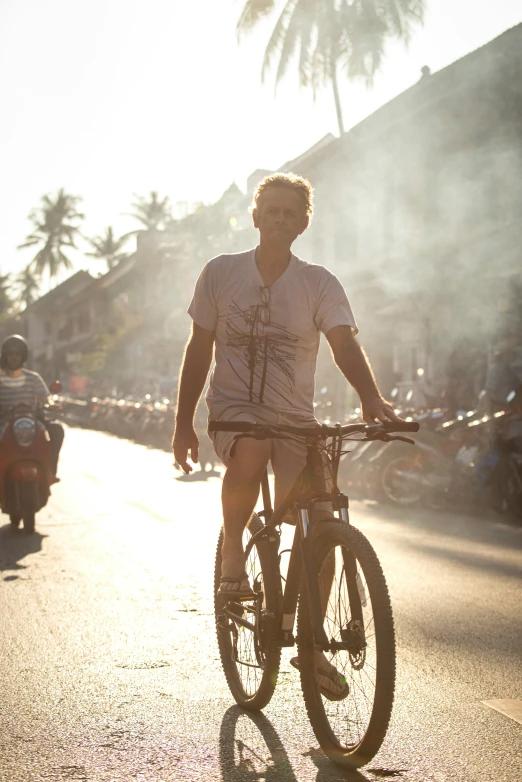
(266,351)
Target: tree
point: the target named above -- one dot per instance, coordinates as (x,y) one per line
(54,227)
(27,287)
(152,212)
(332,34)
(108,248)
(5,296)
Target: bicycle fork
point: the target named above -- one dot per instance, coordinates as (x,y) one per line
(310,579)
(304,552)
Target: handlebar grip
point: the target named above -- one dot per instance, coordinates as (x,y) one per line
(403,426)
(231,426)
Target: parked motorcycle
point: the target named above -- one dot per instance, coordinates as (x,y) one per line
(25,465)
(471,462)
(500,468)
(145,420)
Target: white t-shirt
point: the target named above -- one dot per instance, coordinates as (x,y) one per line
(267,339)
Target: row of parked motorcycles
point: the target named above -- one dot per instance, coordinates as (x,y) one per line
(146,420)
(469,462)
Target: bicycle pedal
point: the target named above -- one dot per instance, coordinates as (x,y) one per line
(229,600)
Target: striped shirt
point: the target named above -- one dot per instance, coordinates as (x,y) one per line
(27,389)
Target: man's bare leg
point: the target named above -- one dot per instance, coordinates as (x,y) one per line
(239,496)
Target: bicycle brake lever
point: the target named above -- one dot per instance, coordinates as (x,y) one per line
(403,439)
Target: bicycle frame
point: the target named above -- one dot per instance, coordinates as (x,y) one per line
(302,552)
(302,502)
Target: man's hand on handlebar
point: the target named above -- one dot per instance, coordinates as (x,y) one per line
(378,409)
(185,440)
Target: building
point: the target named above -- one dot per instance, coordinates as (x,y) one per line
(418,212)
(57,325)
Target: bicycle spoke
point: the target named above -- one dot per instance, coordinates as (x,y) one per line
(350,717)
(245,655)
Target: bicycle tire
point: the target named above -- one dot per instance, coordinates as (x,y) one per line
(251,690)
(335,722)
(386,490)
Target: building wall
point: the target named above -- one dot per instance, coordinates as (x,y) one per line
(424,202)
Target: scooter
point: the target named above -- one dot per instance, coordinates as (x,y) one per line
(25,465)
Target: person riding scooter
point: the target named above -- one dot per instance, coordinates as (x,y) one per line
(19,385)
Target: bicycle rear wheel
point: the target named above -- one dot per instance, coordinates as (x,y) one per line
(248,654)
(358,616)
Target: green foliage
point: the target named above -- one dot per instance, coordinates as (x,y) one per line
(55,227)
(152,212)
(329,34)
(108,248)
(27,287)
(5,295)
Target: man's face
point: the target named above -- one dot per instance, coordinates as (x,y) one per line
(14,358)
(280,215)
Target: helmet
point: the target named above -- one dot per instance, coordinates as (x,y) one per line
(14,341)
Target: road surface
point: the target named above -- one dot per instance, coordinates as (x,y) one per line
(110,669)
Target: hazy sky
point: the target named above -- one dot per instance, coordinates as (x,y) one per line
(113,97)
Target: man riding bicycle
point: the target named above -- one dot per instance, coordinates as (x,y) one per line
(263,311)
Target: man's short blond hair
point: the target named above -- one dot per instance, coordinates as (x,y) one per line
(298,184)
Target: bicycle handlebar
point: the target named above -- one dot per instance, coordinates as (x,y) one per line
(318,431)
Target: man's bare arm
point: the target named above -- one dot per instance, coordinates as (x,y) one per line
(353,363)
(194,371)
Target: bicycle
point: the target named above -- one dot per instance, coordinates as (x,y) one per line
(335,584)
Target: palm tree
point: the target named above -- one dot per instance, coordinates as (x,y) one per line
(53,229)
(108,248)
(27,287)
(329,34)
(5,297)
(152,212)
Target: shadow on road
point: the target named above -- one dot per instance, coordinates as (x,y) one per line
(199,475)
(489,529)
(483,562)
(328,772)
(15,545)
(244,739)
(251,749)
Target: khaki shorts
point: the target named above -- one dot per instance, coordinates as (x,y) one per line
(288,457)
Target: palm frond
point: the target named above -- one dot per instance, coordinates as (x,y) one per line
(54,226)
(277,39)
(30,242)
(292,39)
(151,212)
(253,11)
(305,55)
(400,16)
(64,261)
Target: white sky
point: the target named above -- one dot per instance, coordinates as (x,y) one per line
(113,97)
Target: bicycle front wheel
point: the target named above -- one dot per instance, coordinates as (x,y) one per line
(246,629)
(358,622)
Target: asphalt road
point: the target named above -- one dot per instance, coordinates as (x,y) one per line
(110,667)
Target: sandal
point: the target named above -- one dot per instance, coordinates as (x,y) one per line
(243,586)
(338,689)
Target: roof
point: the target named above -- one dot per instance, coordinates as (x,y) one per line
(472,70)
(66,289)
(320,145)
(117,272)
